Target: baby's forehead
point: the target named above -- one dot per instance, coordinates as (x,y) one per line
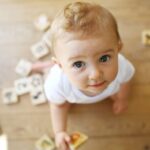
(77,47)
(80,36)
(77,42)
(77,38)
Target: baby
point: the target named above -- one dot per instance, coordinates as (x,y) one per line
(88,66)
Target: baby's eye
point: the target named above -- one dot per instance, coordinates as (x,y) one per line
(104,58)
(78,64)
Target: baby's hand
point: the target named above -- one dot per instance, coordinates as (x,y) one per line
(62,140)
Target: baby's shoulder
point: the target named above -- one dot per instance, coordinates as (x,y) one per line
(125,69)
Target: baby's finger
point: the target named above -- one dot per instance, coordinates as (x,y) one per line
(63,146)
(67,139)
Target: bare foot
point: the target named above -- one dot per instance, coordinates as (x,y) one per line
(119,106)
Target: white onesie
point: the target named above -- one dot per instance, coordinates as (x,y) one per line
(58,89)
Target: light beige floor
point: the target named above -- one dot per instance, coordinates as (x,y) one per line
(24,123)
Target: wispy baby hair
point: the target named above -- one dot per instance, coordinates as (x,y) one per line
(87,19)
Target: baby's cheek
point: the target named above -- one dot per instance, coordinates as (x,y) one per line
(111,73)
(114,72)
(77,80)
(72,78)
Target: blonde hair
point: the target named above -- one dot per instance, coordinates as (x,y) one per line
(87,19)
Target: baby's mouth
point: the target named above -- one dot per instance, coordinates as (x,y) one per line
(97,84)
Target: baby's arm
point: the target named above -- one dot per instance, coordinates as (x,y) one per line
(40,66)
(121,98)
(59,115)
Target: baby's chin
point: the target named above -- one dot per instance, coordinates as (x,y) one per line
(90,93)
(93,92)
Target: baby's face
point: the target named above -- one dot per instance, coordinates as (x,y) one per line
(90,64)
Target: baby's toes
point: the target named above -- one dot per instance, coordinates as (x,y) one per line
(118,108)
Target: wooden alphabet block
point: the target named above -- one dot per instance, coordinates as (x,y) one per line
(9,96)
(23,68)
(39,50)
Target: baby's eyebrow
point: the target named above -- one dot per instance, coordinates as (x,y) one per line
(105,51)
(108,50)
(81,56)
(75,57)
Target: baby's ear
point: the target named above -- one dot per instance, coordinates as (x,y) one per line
(55,61)
(120,46)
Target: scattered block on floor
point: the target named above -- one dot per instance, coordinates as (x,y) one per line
(24,67)
(39,50)
(146,37)
(35,81)
(3,142)
(42,23)
(77,138)
(36,89)
(38,96)
(46,39)
(22,86)
(9,96)
(45,143)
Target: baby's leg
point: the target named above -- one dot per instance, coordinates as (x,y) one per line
(119,105)
(120,99)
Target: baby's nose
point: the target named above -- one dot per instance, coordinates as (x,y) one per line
(95,74)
